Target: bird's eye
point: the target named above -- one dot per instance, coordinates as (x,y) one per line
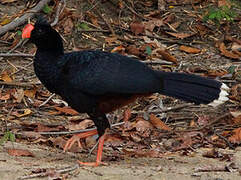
(40,30)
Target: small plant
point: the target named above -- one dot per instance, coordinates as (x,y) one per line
(8,135)
(218,14)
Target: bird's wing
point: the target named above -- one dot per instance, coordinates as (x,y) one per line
(98,72)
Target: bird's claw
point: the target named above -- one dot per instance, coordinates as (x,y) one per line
(93,164)
(71,142)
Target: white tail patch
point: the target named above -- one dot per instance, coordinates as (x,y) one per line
(223,96)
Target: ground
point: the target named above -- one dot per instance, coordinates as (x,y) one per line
(199,146)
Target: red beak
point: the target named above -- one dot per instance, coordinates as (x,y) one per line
(27,31)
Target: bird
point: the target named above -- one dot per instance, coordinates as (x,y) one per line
(97,82)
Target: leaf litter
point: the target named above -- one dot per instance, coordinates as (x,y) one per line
(157,37)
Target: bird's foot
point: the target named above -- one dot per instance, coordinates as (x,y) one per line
(93,164)
(76,138)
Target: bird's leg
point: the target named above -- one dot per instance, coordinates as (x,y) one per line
(102,124)
(99,154)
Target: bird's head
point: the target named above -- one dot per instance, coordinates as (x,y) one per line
(43,35)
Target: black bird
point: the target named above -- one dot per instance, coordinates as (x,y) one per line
(97,82)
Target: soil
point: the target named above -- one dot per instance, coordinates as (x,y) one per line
(171,166)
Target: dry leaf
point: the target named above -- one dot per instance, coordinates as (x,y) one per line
(68,26)
(45,128)
(111,40)
(224,3)
(227,53)
(189,49)
(237,120)
(81,125)
(30,92)
(19,152)
(93,18)
(67,110)
(203,120)
(180,35)
(133,50)
(236,137)
(5,77)
(156,122)
(118,49)
(151,24)
(25,113)
(4,97)
(143,125)
(166,55)
(127,115)
(7,1)
(137,28)
(18,95)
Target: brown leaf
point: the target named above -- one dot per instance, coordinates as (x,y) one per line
(143,125)
(180,35)
(19,152)
(30,92)
(25,113)
(203,120)
(45,128)
(224,3)
(211,153)
(189,49)
(4,97)
(58,142)
(93,18)
(18,95)
(143,128)
(166,55)
(227,53)
(112,41)
(237,120)
(156,122)
(68,26)
(5,77)
(127,115)
(133,50)
(7,1)
(67,110)
(118,49)
(236,92)
(137,27)
(236,137)
(82,125)
(216,72)
(151,24)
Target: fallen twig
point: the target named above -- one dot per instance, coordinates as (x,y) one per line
(44,174)
(77,131)
(15,55)
(59,10)
(47,100)
(18,84)
(19,21)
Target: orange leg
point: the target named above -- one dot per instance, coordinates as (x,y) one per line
(77,137)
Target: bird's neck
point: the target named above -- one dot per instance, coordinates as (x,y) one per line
(46,68)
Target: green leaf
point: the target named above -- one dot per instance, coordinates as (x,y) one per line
(84,26)
(19,33)
(4,138)
(47,9)
(148,50)
(11,137)
(232,69)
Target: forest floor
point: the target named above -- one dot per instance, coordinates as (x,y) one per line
(163,138)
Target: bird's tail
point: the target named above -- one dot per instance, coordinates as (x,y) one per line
(192,88)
